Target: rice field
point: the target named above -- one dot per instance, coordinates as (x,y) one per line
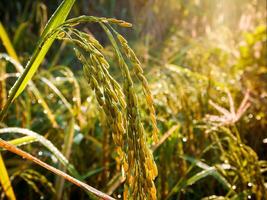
(133,100)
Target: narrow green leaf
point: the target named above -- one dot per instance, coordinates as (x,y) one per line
(207,170)
(22,140)
(20,32)
(202,174)
(6,41)
(34,89)
(58,93)
(49,145)
(75,181)
(57,18)
(5,182)
(40,51)
(68,140)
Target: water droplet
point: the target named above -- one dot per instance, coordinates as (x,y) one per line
(74,99)
(77,127)
(218,88)
(250,184)
(54,159)
(39,101)
(249,196)
(83,108)
(223,99)
(41,197)
(250,116)
(232,81)
(226,166)
(234,187)
(88,99)
(17,74)
(50,96)
(45,111)
(119,196)
(258,117)
(78,138)
(40,153)
(184,139)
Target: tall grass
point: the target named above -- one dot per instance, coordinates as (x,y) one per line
(110,97)
(180,117)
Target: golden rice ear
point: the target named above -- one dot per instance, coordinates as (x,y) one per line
(120,105)
(108,91)
(140,176)
(139,73)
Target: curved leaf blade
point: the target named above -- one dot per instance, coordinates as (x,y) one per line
(5,181)
(40,51)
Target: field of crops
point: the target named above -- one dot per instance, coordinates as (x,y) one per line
(133,99)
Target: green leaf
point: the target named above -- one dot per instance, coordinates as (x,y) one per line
(71,179)
(34,89)
(6,41)
(204,173)
(58,93)
(5,182)
(49,145)
(207,170)
(22,140)
(40,51)
(57,18)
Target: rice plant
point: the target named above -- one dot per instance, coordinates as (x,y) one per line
(172,106)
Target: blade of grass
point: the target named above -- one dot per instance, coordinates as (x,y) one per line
(202,174)
(206,167)
(68,140)
(19,33)
(58,93)
(46,143)
(3,93)
(13,58)
(27,156)
(206,171)
(22,141)
(76,87)
(165,137)
(40,51)
(7,43)
(4,180)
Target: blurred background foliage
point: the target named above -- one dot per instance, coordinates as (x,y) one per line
(206,63)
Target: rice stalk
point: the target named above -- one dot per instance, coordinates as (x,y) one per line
(128,132)
(66,151)
(45,142)
(3,96)
(143,170)
(27,156)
